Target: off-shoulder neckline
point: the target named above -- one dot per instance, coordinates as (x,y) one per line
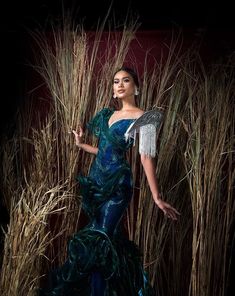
(120,119)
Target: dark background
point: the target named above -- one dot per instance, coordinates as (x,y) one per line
(19,17)
(215,20)
(152,14)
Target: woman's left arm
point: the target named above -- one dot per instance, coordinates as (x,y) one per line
(150,171)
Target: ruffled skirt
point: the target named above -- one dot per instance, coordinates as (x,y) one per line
(101,248)
(117,259)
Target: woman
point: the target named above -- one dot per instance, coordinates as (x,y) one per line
(100,260)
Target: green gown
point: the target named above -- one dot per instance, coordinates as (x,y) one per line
(100,250)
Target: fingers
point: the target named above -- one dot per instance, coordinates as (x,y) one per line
(78,132)
(171,216)
(171,213)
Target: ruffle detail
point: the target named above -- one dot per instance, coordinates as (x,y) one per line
(92,250)
(130,279)
(94,196)
(117,259)
(95,124)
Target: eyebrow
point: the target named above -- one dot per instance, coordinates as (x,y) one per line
(121,78)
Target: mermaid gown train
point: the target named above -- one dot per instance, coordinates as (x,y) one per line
(101,261)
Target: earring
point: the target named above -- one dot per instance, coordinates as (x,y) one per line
(136,92)
(114,96)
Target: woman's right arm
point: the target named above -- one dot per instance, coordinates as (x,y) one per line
(79,142)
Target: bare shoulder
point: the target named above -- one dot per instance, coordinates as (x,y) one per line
(138,112)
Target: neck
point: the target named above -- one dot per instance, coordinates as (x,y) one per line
(127,105)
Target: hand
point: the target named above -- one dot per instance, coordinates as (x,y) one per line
(78,136)
(168,210)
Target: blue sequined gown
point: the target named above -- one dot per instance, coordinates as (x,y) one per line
(100,258)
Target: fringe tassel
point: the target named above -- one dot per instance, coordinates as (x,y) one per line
(147,139)
(147,143)
(147,126)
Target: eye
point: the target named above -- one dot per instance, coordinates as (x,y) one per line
(126,79)
(116,81)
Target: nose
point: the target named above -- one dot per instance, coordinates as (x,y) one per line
(120,83)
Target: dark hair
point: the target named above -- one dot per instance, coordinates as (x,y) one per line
(131,72)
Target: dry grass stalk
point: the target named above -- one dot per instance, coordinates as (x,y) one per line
(208,157)
(27,238)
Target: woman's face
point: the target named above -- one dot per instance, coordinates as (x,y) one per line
(123,85)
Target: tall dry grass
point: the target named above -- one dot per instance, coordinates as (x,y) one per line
(209,158)
(195,164)
(195,168)
(31,200)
